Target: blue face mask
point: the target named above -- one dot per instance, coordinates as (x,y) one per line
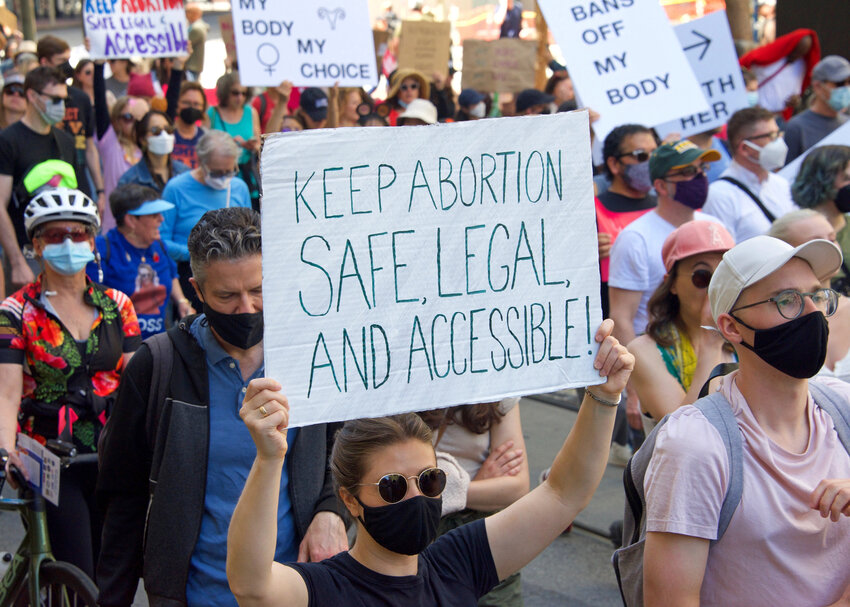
(839,99)
(752,98)
(69,257)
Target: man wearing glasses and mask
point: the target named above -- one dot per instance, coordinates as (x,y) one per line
(23,145)
(792,522)
(749,196)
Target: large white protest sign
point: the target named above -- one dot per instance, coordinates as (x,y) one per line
(625,61)
(310,42)
(840,136)
(125,28)
(421,267)
(709,47)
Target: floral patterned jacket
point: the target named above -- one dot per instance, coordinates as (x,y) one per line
(68,386)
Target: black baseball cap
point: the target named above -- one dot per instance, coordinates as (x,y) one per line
(531,97)
(315,103)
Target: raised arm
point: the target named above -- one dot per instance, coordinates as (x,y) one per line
(521,531)
(101,109)
(254,578)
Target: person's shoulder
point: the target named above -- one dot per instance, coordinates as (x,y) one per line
(840,387)
(13,305)
(688,433)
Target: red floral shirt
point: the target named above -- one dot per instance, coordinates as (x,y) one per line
(68,385)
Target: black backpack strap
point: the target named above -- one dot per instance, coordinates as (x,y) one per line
(162,355)
(770,216)
(717,371)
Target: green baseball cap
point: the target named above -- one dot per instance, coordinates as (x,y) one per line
(677,154)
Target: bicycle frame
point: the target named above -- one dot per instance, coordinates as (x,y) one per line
(33,550)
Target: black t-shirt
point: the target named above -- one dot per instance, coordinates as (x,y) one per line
(617,203)
(21,149)
(454,571)
(79,124)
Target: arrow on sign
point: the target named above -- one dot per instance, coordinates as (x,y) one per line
(705,43)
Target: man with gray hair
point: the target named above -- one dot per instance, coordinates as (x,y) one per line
(176,430)
(212,185)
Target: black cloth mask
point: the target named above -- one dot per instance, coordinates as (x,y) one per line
(190,115)
(796,348)
(240,330)
(66,70)
(842,199)
(407,527)
(692,193)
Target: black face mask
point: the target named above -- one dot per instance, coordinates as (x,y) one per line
(190,115)
(842,199)
(240,330)
(66,70)
(407,527)
(796,348)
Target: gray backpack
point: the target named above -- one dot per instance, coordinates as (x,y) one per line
(628,560)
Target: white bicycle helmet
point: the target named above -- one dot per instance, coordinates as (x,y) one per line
(60,204)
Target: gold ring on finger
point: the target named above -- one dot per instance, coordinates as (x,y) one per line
(263,411)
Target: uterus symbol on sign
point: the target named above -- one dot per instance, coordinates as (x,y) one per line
(332,15)
(268,55)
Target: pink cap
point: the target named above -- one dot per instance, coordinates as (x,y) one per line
(693,238)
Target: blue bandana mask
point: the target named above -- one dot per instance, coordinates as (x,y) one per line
(69,257)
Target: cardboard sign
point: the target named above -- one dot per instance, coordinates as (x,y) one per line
(625,61)
(310,42)
(709,47)
(225,24)
(412,268)
(499,66)
(8,19)
(381,38)
(425,46)
(130,29)
(840,136)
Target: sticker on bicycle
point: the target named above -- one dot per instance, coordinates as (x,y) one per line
(42,468)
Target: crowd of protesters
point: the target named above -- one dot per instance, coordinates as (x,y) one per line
(129,210)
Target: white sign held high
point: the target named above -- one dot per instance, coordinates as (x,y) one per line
(128,29)
(709,47)
(625,61)
(310,42)
(421,267)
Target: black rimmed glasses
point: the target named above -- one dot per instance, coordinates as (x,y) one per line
(393,487)
(791,302)
(640,155)
(54,98)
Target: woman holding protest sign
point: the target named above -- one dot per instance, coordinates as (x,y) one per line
(387,476)
(675,356)
(236,117)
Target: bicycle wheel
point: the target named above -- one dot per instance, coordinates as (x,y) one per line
(62,585)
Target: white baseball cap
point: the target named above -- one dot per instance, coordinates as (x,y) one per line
(756,258)
(422,109)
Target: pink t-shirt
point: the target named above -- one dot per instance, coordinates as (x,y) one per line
(776,550)
(115,163)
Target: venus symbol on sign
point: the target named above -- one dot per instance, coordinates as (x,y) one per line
(332,15)
(268,55)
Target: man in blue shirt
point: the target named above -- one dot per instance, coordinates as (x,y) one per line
(212,185)
(172,469)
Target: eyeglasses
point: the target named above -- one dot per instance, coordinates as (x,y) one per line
(701,277)
(689,171)
(156,130)
(842,83)
(58,235)
(772,134)
(791,302)
(393,487)
(220,174)
(413,86)
(639,155)
(127,117)
(238,92)
(54,98)
(14,89)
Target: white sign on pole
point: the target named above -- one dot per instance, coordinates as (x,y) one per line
(130,29)
(421,267)
(309,42)
(840,136)
(625,61)
(709,47)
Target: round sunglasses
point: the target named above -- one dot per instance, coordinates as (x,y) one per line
(393,486)
(156,130)
(701,277)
